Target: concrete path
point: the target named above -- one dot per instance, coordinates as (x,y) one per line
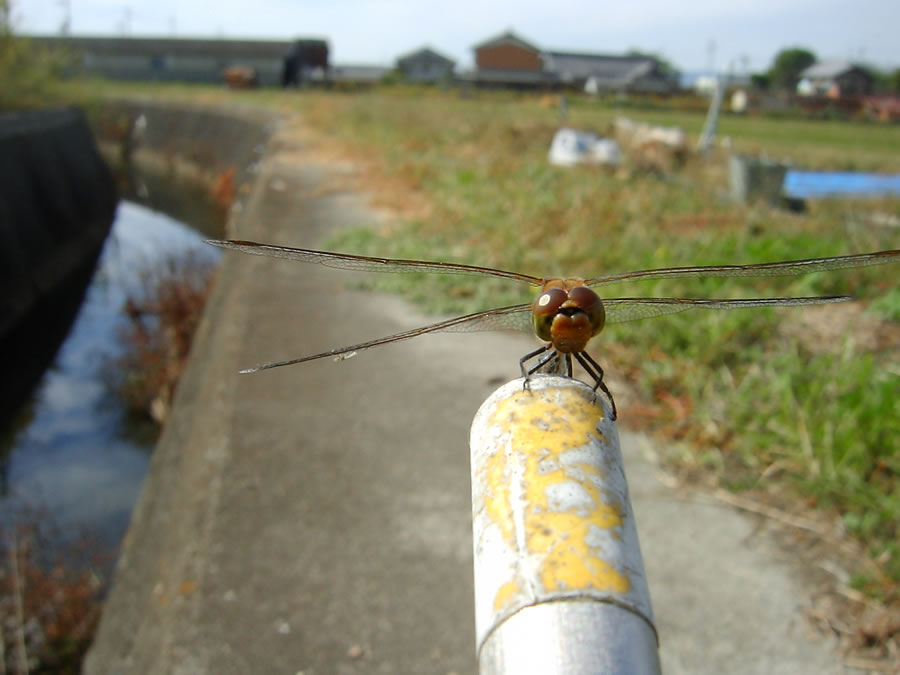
(316,519)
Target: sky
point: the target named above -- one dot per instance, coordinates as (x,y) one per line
(693,35)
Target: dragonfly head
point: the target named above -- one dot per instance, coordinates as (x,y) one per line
(567,314)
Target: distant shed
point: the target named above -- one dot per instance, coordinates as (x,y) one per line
(509,60)
(508,52)
(835,79)
(425,65)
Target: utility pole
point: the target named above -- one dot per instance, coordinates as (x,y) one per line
(65,28)
(125,22)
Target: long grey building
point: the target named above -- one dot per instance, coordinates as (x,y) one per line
(187,59)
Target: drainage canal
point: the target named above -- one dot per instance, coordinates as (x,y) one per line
(73,456)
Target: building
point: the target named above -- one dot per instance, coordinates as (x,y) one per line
(305,61)
(835,79)
(509,60)
(189,60)
(425,65)
(598,73)
(355,75)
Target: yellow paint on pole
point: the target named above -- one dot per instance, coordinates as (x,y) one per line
(505,594)
(552,517)
(545,430)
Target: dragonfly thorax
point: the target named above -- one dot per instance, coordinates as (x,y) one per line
(567,314)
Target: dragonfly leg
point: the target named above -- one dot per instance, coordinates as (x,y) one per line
(526,374)
(551,364)
(551,358)
(595,371)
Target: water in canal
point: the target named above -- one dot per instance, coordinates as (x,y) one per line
(73,455)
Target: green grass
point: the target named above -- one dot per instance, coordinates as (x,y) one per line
(834,424)
(780,404)
(798,399)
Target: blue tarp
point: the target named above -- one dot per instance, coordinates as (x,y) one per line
(818,184)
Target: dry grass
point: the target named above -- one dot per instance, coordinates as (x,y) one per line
(157,339)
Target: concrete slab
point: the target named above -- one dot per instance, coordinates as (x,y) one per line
(316,518)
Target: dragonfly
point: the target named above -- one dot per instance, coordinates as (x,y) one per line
(566,313)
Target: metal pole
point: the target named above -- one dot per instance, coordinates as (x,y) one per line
(708,137)
(559,579)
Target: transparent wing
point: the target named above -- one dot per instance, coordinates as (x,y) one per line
(619,310)
(789,268)
(363,263)
(517,317)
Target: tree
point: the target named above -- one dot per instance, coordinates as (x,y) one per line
(894,82)
(881,79)
(789,63)
(760,80)
(28,73)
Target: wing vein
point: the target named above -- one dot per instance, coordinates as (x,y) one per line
(788,268)
(362,263)
(619,310)
(492,319)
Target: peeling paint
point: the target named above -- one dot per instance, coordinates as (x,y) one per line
(556,500)
(505,594)
(551,514)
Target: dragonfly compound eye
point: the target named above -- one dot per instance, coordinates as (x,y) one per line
(591,304)
(545,307)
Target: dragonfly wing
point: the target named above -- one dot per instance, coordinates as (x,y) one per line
(517,317)
(789,268)
(509,318)
(619,310)
(362,263)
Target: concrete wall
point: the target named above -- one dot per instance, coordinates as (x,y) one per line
(194,146)
(198,153)
(188,141)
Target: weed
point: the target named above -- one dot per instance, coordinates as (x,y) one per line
(49,601)
(157,339)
